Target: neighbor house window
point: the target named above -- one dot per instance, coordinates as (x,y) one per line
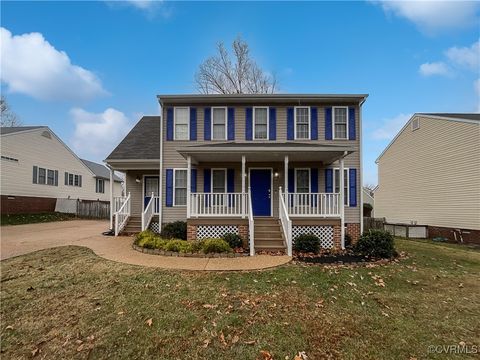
(219,123)
(100,186)
(73,179)
(45,176)
(181,120)
(336,181)
(340,122)
(302,123)
(260,123)
(302,180)
(180,187)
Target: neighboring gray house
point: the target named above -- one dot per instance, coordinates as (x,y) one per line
(430,175)
(264,166)
(368,198)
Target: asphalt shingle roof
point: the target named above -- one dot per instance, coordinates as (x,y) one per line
(465,116)
(100,170)
(142,142)
(14,129)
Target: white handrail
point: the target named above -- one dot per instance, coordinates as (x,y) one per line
(118,201)
(122,215)
(147,214)
(251,224)
(313,204)
(285,221)
(217,204)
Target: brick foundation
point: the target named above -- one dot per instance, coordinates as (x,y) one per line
(353,230)
(27,204)
(337,242)
(468,236)
(191,232)
(243,232)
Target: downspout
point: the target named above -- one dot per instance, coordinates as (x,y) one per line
(361,163)
(160,177)
(111,195)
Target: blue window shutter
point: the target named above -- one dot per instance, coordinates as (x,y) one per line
(351,123)
(291,180)
(207,176)
(329,180)
(193,123)
(328,124)
(169,186)
(314,180)
(207,126)
(193,181)
(272,126)
(230,180)
(290,124)
(248,123)
(169,124)
(35,172)
(314,123)
(231,124)
(352,179)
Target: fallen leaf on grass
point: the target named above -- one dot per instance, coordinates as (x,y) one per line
(222,339)
(35,352)
(208,306)
(251,342)
(120,313)
(91,338)
(9,327)
(206,342)
(235,339)
(265,355)
(149,322)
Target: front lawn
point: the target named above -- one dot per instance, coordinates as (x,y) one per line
(69,303)
(19,219)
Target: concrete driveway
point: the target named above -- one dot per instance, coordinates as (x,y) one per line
(22,239)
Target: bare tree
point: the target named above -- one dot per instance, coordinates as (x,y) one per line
(220,74)
(8,117)
(370,188)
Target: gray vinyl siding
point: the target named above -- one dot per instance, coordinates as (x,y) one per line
(172,159)
(136,188)
(432,175)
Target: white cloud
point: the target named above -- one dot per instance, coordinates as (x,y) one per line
(142,4)
(434,68)
(149,7)
(468,57)
(390,127)
(31,66)
(433,16)
(97,134)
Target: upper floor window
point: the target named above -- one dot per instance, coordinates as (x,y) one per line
(302,123)
(181,121)
(260,123)
(346,187)
(100,186)
(302,180)
(180,187)
(340,122)
(219,123)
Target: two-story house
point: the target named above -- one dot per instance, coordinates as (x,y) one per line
(264,166)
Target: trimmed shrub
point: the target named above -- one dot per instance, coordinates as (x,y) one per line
(307,243)
(175,230)
(146,239)
(197,245)
(215,246)
(178,246)
(234,240)
(376,244)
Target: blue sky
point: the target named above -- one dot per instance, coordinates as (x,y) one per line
(89,70)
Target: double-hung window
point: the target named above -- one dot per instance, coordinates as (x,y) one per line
(45,176)
(73,179)
(340,122)
(180,187)
(260,123)
(50,177)
(42,175)
(302,180)
(219,185)
(219,123)
(336,181)
(181,120)
(100,186)
(302,123)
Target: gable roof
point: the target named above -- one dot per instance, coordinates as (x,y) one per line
(142,142)
(100,170)
(14,129)
(471,118)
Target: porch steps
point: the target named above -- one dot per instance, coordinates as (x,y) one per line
(134,225)
(268,235)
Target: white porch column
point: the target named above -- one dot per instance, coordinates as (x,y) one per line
(111,197)
(244,203)
(189,183)
(285,175)
(342,203)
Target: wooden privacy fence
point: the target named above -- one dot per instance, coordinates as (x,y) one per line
(373,223)
(93,209)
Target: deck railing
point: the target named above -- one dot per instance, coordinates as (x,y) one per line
(285,221)
(218,204)
(313,204)
(122,215)
(251,224)
(118,202)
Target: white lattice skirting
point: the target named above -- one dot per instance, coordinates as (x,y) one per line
(325,233)
(215,231)
(155,227)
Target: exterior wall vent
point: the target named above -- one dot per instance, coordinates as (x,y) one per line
(46,134)
(415,124)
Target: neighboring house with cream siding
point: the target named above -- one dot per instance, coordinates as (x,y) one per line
(37,168)
(430,175)
(263,166)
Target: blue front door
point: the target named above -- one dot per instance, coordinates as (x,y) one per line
(150,186)
(260,186)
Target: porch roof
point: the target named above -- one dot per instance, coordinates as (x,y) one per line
(265,152)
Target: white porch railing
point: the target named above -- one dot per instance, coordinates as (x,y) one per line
(313,204)
(251,224)
(218,204)
(118,202)
(285,221)
(122,215)
(151,209)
